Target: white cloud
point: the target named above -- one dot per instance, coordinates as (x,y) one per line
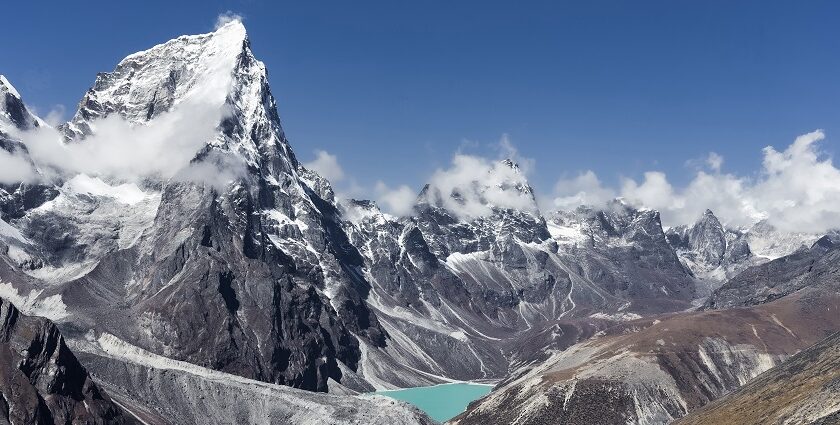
(54,117)
(478,183)
(797,190)
(585,189)
(226,18)
(15,169)
(216,169)
(126,151)
(327,166)
(714,161)
(654,191)
(397,201)
(508,151)
(122,150)
(474,184)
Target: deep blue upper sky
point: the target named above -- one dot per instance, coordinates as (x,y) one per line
(393,88)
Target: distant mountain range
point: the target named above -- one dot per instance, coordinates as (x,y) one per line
(238,286)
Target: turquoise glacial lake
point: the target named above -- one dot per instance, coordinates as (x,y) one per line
(441,402)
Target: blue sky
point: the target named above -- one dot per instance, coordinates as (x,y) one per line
(394,88)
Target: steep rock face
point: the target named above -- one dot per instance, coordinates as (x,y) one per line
(803,389)
(462,285)
(652,371)
(17,198)
(260,256)
(708,239)
(40,379)
(255,277)
(712,252)
(624,251)
(816,267)
(13,112)
(489,291)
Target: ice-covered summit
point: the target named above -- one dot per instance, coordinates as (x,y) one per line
(474,188)
(209,81)
(148,83)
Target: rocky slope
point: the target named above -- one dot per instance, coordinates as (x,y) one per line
(17,197)
(652,371)
(716,253)
(164,391)
(492,291)
(712,252)
(41,381)
(658,369)
(625,251)
(814,267)
(240,274)
(803,389)
(261,262)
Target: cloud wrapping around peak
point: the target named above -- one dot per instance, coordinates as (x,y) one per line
(507,150)
(225,18)
(472,186)
(131,149)
(797,190)
(15,169)
(126,151)
(398,201)
(327,166)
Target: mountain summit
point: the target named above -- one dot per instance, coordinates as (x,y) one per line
(13,113)
(210,289)
(148,83)
(501,185)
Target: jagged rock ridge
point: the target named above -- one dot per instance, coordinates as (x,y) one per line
(270,278)
(41,381)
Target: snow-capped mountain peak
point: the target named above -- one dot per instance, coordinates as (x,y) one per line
(475,189)
(707,237)
(13,112)
(7,87)
(510,163)
(210,83)
(148,83)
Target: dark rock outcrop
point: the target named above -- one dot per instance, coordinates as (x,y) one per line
(815,267)
(41,381)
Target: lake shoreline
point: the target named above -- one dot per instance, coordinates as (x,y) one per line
(441,402)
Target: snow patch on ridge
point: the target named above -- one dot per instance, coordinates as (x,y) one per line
(7,231)
(126,193)
(620,317)
(9,87)
(572,234)
(51,307)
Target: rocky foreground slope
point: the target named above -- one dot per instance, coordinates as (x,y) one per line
(42,382)
(803,389)
(655,370)
(660,368)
